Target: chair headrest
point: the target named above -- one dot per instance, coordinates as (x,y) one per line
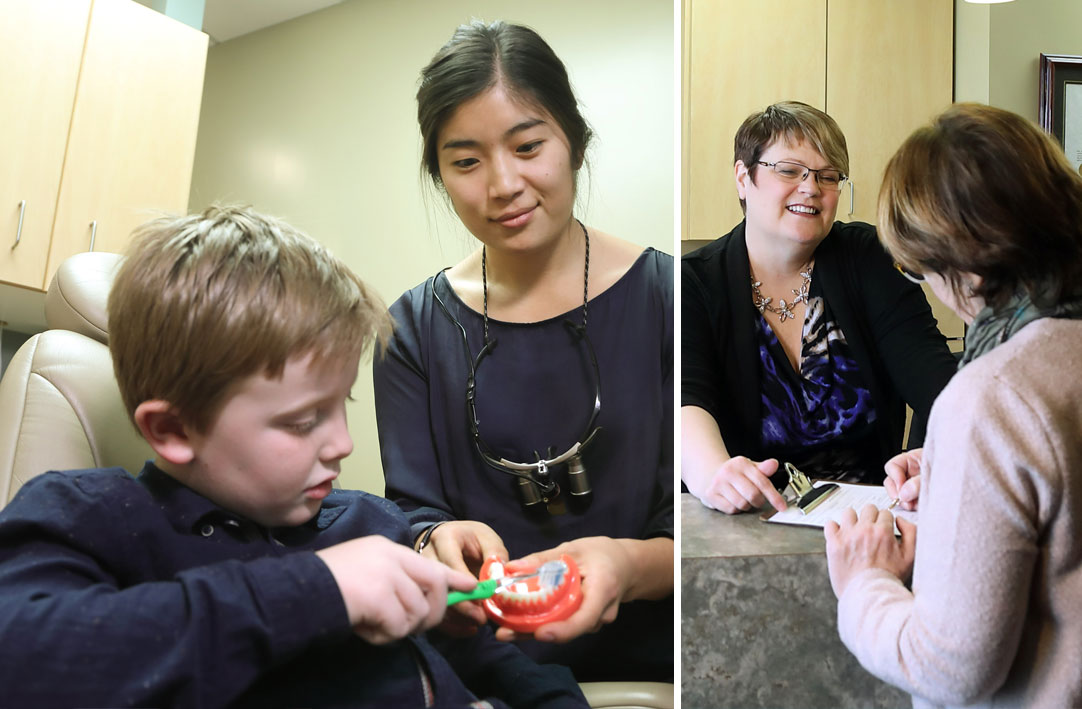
(77,297)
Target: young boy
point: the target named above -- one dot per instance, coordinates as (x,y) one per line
(229,572)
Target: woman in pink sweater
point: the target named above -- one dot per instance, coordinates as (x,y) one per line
(986,209)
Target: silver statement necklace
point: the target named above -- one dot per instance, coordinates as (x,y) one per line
(585,282)
(784,310)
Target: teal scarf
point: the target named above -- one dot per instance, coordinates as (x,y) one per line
(992,328)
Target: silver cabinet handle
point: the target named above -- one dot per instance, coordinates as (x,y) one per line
(19,229)
(93,233)
(851,199)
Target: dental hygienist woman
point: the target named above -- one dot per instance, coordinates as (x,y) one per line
(524,404)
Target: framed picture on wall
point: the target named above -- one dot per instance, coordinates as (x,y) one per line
(1060,109)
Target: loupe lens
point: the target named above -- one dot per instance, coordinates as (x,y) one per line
(529,494)
(576,477)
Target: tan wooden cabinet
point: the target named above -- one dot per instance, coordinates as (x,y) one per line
(102,127)
(41,47)
(740,56)
(879,67)
(890,69)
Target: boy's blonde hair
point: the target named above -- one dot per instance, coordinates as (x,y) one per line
(203,301)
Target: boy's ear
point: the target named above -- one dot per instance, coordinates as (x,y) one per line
(164,430)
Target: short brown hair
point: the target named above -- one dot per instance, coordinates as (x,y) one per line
(202,301)
(793,122)
(982,190)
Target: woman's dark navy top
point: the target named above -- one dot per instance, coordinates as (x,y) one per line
(535,392)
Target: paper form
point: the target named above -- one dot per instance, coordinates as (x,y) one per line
(848,495)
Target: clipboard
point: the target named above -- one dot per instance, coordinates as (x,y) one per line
(814,503)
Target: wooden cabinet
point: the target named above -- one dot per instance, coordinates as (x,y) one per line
(41,47)
(740,56)
(881,68)
(104,136)
(890,69)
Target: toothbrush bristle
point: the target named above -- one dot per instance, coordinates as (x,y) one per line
(552,574)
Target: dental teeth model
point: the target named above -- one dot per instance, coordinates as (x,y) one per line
(525,598)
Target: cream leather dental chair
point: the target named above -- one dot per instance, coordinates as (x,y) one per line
(629,695)
(59,403)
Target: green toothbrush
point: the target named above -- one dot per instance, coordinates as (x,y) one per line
(551,573)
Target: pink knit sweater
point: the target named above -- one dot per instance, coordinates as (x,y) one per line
(995,615)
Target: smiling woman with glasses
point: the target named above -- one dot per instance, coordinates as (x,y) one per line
(801,343)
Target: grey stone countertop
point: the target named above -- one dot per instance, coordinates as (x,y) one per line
(707,533)
(759,619)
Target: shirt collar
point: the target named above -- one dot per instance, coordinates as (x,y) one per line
(181,504)
(187,510)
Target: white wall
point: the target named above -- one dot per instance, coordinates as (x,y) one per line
(314,120)
(1019,32)
(971,51)
(998,48)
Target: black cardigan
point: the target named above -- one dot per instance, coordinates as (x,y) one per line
(886,320)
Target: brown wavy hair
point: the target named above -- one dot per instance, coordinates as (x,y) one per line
(984,191)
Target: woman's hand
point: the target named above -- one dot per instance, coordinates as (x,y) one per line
(613,571)
(464,545)
(868,542)
(903,478)
(722,482)
(738,485)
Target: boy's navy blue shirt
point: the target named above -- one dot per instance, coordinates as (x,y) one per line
(122,591)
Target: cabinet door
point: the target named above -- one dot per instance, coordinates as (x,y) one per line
(41,44)
(133,129)
(890,68)
(740,57)
(869,46)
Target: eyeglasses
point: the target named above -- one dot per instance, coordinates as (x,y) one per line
(912,276)
(828,177)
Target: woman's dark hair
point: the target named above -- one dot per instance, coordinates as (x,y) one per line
(984,191)
(480,56)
